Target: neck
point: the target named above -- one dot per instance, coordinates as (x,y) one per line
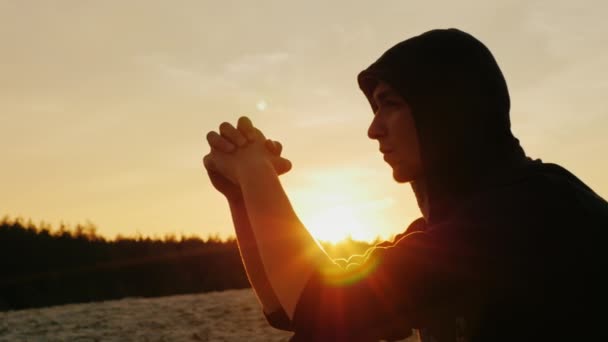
(420,189)
(436,199)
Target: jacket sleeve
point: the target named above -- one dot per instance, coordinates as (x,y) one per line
(395,289)
(278,320)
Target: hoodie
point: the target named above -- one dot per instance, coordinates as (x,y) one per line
(460,104)
(508,247)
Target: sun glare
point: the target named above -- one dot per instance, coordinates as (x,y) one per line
(334,224)
(333,208)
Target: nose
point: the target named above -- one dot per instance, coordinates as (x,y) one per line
(376,129)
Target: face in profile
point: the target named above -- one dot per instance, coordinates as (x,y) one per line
(394,128)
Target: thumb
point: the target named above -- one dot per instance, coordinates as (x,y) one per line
(208,163)
(282,165)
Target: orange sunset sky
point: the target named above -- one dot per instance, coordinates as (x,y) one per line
(104,105)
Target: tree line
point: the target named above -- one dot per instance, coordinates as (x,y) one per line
(41,266)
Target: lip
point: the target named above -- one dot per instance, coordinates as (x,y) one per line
(387,158)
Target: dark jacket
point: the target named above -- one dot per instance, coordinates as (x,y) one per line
(511,249)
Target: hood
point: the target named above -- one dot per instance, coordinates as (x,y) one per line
(460,103)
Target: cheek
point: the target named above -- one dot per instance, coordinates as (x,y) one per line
(408,136)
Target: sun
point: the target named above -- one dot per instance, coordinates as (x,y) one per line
(338,203)
(261,105)
(336,223)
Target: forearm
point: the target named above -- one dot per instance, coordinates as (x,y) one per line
(251,258)
(288,252)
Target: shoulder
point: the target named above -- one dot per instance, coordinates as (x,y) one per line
(538,190)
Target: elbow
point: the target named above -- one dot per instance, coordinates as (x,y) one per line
(279,320)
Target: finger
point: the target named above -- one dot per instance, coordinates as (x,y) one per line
(232,134)
(274,147)
(218,142)
(282,165)
(271,146)
(259,134)
(279,147)
(246,127)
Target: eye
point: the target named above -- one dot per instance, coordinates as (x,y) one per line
(391,102)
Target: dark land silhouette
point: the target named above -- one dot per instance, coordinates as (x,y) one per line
(43,267)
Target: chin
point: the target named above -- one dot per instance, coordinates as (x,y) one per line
(400,176)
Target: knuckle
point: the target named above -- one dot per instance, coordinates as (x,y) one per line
(227,147)
(259,133)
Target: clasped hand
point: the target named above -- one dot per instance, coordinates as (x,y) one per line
(234,150)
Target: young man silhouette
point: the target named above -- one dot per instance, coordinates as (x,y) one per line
(507,248)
